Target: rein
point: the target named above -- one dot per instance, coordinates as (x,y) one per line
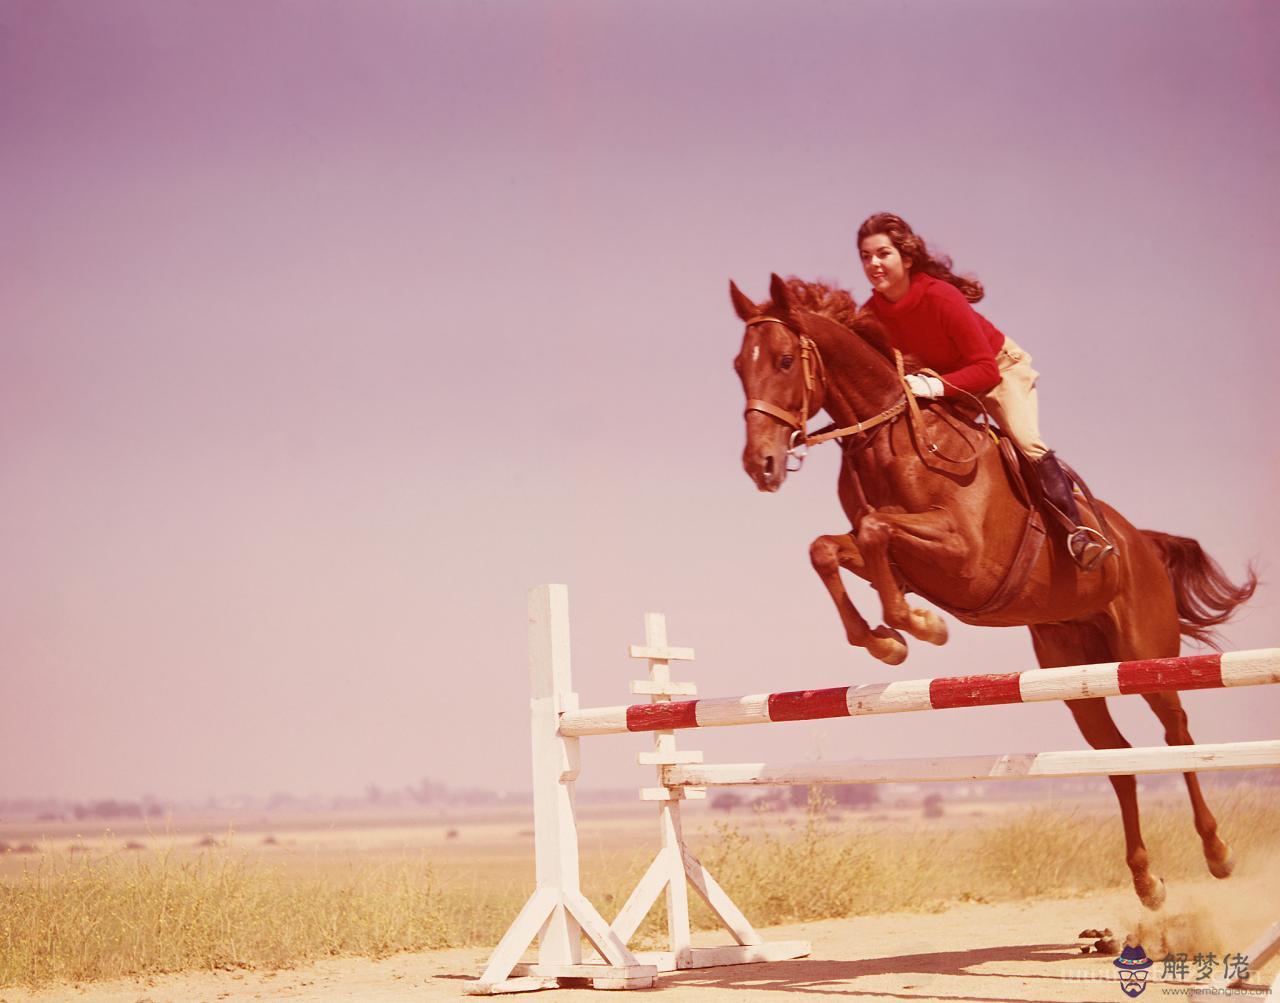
(813,368)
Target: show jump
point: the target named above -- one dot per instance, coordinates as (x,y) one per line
(559,916)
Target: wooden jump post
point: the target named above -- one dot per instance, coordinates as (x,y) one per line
(557,913)
(560,917)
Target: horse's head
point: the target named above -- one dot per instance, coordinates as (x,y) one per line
(779,371)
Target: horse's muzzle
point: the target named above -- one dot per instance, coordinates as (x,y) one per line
(767,469)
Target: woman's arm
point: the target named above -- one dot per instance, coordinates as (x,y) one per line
(976,371)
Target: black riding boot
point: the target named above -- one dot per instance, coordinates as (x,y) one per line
(1086,546)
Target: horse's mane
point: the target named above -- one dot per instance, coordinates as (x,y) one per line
(830,301)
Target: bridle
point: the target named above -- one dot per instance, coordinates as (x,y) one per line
(810,363)
(814,369)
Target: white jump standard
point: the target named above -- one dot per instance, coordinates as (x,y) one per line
(557,913)
(559,916)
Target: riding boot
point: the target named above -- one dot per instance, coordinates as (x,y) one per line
(1087,546)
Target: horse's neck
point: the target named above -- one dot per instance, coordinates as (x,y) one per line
(859,382)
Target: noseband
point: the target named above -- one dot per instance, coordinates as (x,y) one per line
(814,368)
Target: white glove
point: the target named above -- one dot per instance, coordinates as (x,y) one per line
(924,386)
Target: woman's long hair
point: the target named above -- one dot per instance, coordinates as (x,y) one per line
(912,246)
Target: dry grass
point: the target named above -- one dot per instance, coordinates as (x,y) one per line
(84,917)
(819,872)
(81,919)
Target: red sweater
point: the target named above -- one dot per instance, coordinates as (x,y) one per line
(936,324)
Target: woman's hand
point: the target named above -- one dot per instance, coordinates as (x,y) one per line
(924,386)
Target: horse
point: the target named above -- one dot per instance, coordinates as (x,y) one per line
(949,527)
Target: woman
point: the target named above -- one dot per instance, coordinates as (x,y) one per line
(925,308)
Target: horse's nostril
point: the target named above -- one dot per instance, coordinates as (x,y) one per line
(768,466)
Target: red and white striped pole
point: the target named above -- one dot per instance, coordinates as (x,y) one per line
(1076,682)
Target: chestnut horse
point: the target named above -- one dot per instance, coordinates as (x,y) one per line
(934,512)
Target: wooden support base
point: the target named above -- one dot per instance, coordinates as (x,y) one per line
(513,985)
(641,976)
(570,977)
(729,954)
(548,909)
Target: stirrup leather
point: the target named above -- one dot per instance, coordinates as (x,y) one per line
(1088,548)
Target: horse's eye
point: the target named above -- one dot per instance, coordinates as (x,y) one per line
(785,361)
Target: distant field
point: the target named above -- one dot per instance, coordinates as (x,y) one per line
(487,841)
(274,892)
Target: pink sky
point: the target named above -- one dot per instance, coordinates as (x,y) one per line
(326,330)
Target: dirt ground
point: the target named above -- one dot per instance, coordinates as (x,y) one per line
(977,953)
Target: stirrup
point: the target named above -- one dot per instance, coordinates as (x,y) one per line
(1088,548)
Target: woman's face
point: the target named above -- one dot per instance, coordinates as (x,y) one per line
(884,266)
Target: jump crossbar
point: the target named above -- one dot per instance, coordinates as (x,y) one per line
(1076,682)
(1024,766)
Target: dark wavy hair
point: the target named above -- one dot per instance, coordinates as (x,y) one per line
(912,247)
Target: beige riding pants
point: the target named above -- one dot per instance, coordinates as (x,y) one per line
(1012,402)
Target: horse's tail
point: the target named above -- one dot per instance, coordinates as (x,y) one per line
(1206,597)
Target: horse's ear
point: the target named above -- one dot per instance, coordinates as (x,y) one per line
(783,302)
(743,306)
(778,290)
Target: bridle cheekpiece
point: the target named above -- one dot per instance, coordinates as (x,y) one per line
(814,368)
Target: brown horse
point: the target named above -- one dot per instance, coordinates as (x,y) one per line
(933,512)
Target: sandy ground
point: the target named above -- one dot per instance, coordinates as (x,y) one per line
(977,953)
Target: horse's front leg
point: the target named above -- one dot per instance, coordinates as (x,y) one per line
(831,553)
(931,537)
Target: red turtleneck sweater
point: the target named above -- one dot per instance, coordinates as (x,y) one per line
(936,324)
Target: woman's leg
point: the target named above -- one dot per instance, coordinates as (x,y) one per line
(1014,404)
(1013,400)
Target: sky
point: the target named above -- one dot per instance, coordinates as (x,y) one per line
(328,329)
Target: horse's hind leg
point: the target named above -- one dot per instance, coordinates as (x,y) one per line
(1099,729)
(1168,708)
(831,553)
(1061,644)
(1148,627)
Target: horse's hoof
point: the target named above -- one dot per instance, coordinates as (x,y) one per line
(935,628)
(1153,896)
(926,625)
(1221,866)
(887,645)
